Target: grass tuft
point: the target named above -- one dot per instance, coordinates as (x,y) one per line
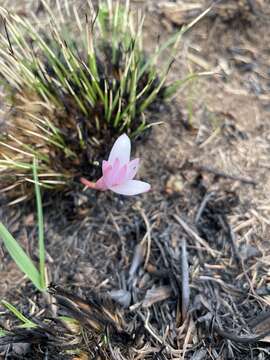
(74,81)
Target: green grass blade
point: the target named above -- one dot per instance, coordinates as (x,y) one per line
(41,244)
(3,332)
(18,314)
(22,260)
(171,89)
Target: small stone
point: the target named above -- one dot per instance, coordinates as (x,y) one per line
(122,297)
(80,200)
(29,220)
(174,184)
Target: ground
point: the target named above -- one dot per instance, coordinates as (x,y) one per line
(206,217)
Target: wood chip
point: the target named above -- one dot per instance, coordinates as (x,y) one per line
(156,295)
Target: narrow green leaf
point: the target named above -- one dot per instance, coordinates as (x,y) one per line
(22,260)
(18,314)
(3,332)
(41,245)
(171,89)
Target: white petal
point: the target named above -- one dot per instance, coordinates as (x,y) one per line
(133,167)
(121,150)
(131,187)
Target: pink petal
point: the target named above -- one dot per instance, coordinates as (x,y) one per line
(101,185)
(116,165)
(121,176)
(105,165)
(131,187)
(133,167)
(110,172)
(106,172)
(121,150)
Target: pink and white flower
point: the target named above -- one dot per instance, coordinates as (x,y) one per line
(118,172)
